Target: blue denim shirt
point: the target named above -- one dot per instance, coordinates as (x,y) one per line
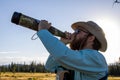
(87,64)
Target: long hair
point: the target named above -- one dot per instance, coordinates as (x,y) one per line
(96,45)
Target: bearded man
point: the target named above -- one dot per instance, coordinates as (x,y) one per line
(83,60)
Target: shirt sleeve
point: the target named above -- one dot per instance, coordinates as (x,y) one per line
(83,60)
(52,65)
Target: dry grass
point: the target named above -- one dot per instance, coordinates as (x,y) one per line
(114,78)
(34,76)
(27,76)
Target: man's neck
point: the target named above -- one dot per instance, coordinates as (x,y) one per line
(88,46)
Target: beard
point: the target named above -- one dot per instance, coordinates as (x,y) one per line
(76,44)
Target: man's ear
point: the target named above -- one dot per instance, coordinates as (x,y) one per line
(91,38)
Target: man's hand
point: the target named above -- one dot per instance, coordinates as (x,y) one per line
(44,25)
(61,75)
(69,38)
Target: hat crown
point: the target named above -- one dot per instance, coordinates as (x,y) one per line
(94,25)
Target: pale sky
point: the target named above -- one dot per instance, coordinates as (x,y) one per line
(16,44)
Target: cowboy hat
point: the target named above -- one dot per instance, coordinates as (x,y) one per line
(94,29)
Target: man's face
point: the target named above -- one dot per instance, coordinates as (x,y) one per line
(80,36)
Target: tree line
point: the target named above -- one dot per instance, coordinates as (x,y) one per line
(114,68)
(32,67)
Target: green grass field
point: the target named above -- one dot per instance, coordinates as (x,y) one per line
(34,76)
